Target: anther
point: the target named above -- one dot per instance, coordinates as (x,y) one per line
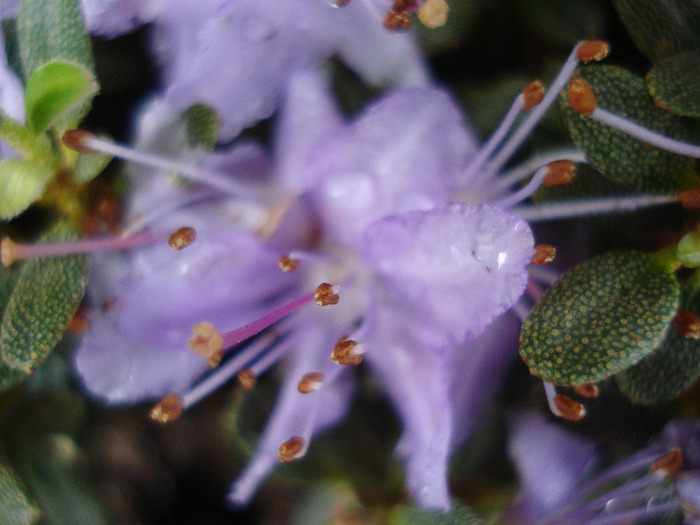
(347,352)
(79,324)
(581,96)
(532,95)
(687,323)
(559,172)
(288,264)
(182,238)
(689,199)
(433,13)
(8,251)
(544,253)
(310,382)
(78,140)
(397,21)
(168,409)
(340,3)
(588,390)
(568,409)
(291,449)
(326,294)
(247,379)
(592,50)
(207,342)
(669,465)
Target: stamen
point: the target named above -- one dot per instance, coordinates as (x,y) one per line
(288,264)
(207,342)
(182,238)
(687,323)
(79,324)
(347,352)
(590,390)
(592,50)
(524,192)
(581,97)
(168,409)
(293,448)
(311,382)
(11,251)
(569,409)
(544,253)
(327,294)
(669,465)
(532,95)
(690,199)
(83,141)
(397,21)
(433,13)
(559,173)
(247,379)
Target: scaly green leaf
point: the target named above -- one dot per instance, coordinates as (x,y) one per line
(15,507)
(202,125)
(599,318)
(623,159)
(42,303)
(21,183)
(675,85)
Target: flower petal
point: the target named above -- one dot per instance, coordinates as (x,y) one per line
(111,18)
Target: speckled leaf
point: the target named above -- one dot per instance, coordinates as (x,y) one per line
(43,302)
(8,280)
(661,29)
(22,182)
(15,506)
(459,515)
(54,92)
(52,30)
(202,125)
(621,158)
(599,318)
(674,83)
(670,369)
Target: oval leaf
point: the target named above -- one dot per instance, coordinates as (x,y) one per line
(675,85)
(619,157)
(21,183)
(42,303)
(54,91)
(670,369)
(202,125)
(661,29)
(599,318)
(15,506)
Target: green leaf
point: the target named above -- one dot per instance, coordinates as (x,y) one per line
(21,183)
(202,124)
(688,251)
(52,30)
(563,23)
(34,148)
(43,302)
(670,369)
(674,83)
(410,515)
(15,506)
(90,165)
(661,29)
(55,91)
(623,159)
(599,318)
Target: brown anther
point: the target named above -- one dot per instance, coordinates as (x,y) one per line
(168,409)
(433,13)
(669,465)
(340,3)
(182,238)
(346,352)
(588,390)
(581,96)
(247,379)
(559,172)
(532,95)
(310,382)
(288,264)
(8,251)
(687,323)
(397,22)
(569,409)
(690,199)
(326,295)
(77,139)
(592,50)
(291,449)
(207,342)
(544,253)
(79,324)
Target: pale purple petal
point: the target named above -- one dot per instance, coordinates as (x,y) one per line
(110,18)
(298,414)
(458,266)
(687,488)
(405,153)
